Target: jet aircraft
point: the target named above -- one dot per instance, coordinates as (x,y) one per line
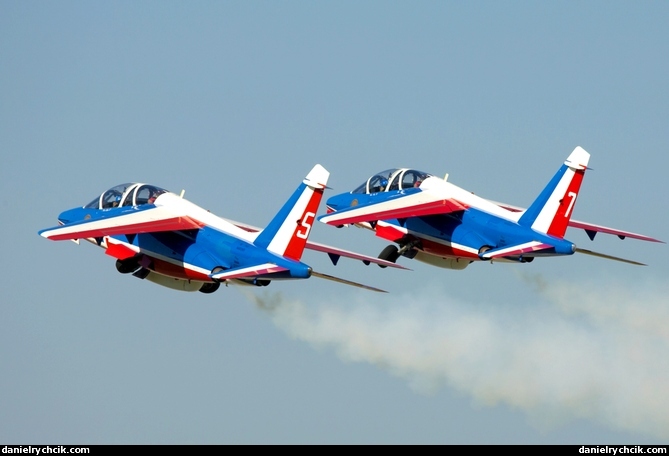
(161,237)
(441,224)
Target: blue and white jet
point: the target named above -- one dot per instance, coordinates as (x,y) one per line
(161,237)
(436,222)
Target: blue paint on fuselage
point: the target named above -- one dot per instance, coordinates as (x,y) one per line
(346,200)
(472,227)
(79,215)
(205,248)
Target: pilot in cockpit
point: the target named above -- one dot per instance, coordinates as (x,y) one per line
(116,201)
(152,198)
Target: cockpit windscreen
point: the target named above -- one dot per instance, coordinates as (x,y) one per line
(130,194)
(392,179)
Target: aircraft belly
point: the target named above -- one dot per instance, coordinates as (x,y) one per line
(443,236)
(434,233)
(438,226)
(194,258)
(177,270)
(446,250)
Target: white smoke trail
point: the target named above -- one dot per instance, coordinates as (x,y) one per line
(580,353)
(643,308)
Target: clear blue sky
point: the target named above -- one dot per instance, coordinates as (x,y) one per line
(235,102)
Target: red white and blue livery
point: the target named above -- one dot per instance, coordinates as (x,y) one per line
(161,237)
(434,221)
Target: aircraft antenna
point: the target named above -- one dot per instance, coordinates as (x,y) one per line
(182,193)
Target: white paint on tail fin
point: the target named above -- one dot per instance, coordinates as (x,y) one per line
(287,233)
(551,211)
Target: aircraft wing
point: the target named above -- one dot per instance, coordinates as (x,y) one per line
(414,204)
(333,252)
(590,228)
(124,221)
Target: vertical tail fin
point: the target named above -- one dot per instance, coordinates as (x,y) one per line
(287,233)
(551,211)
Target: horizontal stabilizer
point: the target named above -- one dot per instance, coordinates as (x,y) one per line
(589,227)
(346,282)
(608,257)
(248,271)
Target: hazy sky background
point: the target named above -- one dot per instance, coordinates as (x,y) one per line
(235,102)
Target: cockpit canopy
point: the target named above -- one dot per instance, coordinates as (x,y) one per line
(126,195)
(392,179)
